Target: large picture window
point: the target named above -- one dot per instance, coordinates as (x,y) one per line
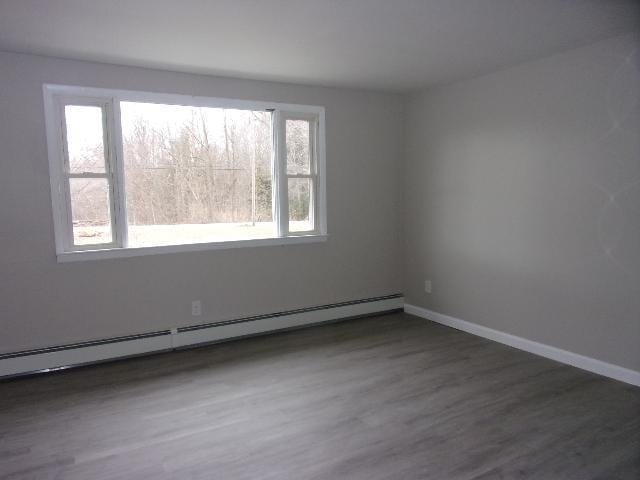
(138,173)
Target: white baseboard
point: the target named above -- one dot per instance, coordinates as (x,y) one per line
(586,363)
(91,352)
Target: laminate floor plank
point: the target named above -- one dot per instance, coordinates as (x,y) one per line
(387,397)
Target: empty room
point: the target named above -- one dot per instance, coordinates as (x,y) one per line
(317,240)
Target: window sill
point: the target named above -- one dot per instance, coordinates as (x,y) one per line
(194,247)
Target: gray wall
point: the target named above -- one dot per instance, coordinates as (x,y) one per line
(45,303)
(521,203)
(522,200)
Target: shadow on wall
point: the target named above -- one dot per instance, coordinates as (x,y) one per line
(619,178)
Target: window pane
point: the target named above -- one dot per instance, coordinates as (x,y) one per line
(298,154)
(90,211)
(84,138)
(195,175)
(300,205)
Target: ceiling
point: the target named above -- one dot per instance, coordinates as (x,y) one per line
(394,45)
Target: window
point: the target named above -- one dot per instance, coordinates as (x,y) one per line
(137,173)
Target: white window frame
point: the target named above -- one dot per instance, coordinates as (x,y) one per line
(56,97)
(280,121)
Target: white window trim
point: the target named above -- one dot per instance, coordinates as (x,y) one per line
(111,99)
(313,175)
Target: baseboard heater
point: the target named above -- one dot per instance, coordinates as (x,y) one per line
(82,353)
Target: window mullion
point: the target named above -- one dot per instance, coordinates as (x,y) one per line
(64,184)
(117,171)
(281,183)
(313,169)
(107,141)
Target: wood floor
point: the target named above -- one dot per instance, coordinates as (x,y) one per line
(388,397)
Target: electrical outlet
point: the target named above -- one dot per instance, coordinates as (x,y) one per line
(196,308)
(427,286)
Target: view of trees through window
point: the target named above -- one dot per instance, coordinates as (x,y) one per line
(196,174)
(299,174)
(191,174)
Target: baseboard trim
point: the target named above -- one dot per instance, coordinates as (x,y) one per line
(83,353)
(564,356)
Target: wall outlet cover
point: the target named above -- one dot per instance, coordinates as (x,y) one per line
(196,308)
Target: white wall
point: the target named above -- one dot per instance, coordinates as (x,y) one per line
(44,303)
(522,200)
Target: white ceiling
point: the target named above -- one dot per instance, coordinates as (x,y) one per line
(394,45)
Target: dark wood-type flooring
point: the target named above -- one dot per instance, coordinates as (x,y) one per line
(388,397)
